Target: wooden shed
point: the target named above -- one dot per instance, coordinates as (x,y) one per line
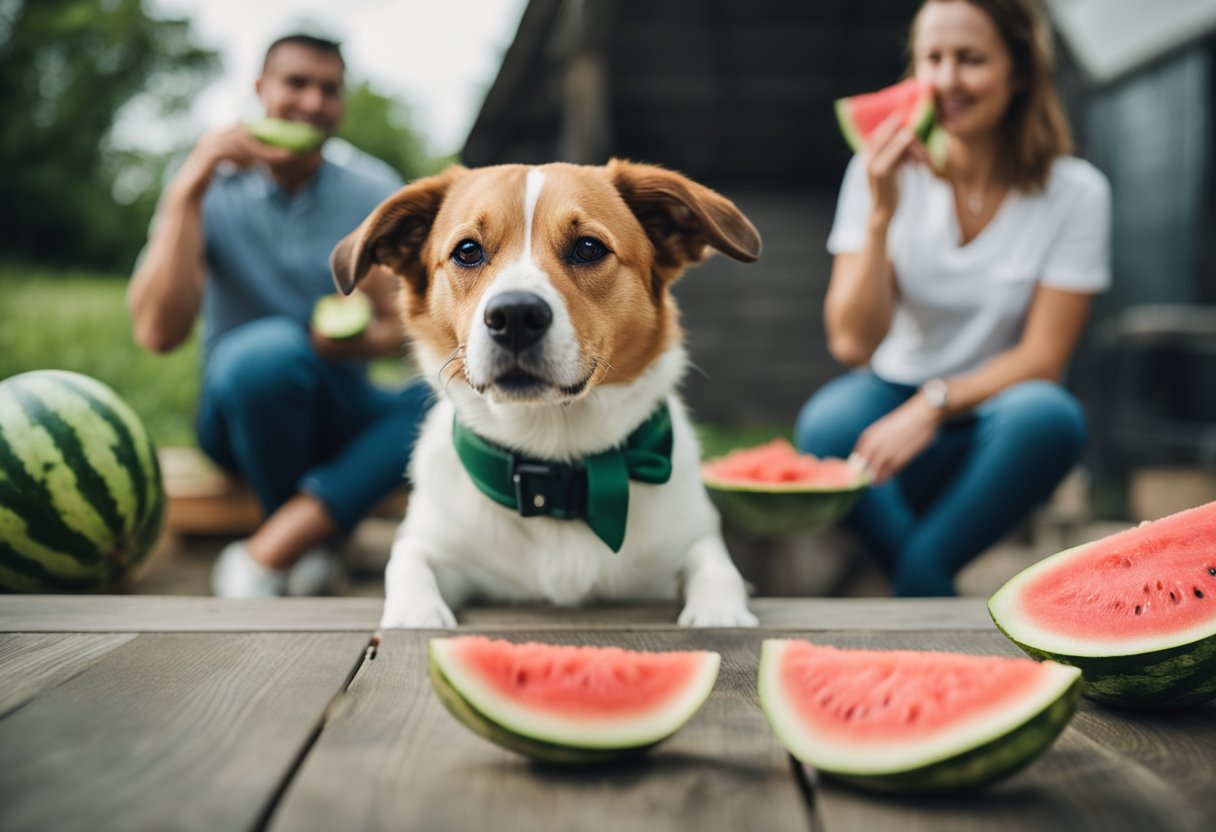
(738,94)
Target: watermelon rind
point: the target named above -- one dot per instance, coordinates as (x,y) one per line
(82,501)
(339,317)
(552,738)
(781,508)
(296,136)
(1156,672)
(970,757)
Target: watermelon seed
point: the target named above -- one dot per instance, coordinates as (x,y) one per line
(1198,592)
(1212,571)
(1138,609)
(1159,586)
(1173,597)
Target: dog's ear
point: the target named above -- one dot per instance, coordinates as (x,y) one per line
(394,235)
(682,217)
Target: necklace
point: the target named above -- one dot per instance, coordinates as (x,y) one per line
(975,202)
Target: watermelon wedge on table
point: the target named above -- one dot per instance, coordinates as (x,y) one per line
(1135,611)
(566,704)
(910,721)
(772,489)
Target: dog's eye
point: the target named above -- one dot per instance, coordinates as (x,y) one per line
(587,250)
(468,253)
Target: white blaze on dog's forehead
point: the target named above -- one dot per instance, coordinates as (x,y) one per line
(532,187)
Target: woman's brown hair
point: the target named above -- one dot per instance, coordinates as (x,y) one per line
(1035,131)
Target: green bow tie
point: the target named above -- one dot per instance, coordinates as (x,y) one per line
(595,489)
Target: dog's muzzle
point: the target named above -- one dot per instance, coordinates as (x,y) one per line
(516,320)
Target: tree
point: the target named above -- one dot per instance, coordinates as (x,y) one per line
(67,68)
(380,125)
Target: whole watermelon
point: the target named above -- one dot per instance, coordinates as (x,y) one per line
(81,496)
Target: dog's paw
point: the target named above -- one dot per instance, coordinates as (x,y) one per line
(419,615)
(707,615)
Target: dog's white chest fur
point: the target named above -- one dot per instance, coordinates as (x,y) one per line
(478,548)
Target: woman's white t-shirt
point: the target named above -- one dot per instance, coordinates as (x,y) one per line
(959,305)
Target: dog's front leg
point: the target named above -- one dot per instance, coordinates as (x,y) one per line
(412,596)
(714,594)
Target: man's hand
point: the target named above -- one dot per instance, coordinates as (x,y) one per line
(232,144)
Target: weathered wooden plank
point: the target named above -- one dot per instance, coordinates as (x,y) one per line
(392,758)
(1079,783)
(1177,746)
(32,662)
(171,731)
(175,613)
(149,613)
(803,614)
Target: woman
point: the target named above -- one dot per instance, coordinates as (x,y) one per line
(961,294)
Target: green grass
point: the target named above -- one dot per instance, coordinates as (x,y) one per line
(72,320)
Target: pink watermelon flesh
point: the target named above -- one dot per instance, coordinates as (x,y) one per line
(861,114)
(877,696)
(1155,579)
(579,682)
(780,462)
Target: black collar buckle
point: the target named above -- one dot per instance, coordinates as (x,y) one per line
(543,490)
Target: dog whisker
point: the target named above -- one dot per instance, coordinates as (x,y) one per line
(455,356)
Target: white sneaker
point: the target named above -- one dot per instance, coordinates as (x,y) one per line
(319,571)
(237,575)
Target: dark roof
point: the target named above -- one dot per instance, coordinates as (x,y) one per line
(726,91)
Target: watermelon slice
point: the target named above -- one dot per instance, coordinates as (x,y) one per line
(563,704)
(339,317)
(860,115)
(296,136)
(1135,611)
(772,489)
(905,721)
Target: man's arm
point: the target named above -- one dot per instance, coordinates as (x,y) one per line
(166,291)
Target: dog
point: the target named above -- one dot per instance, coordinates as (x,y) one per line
(537,302)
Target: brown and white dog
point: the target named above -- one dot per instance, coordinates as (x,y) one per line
(537,302)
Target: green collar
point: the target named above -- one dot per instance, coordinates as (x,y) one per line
(595,489)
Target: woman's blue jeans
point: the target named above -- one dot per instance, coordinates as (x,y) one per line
(979,479)
(289,421)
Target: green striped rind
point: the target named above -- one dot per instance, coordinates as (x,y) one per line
(539,750)
(81,497)
(1175,677)
(782,509)
(985,764)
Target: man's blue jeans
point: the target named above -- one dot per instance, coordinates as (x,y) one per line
(289,421)
(981,477)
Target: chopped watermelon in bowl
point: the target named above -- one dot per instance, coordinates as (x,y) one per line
(772,489)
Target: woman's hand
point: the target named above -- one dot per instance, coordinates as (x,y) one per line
(890,146)
(888,445)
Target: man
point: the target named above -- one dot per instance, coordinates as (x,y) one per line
(243,235)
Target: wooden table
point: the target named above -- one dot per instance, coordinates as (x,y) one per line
(158,713)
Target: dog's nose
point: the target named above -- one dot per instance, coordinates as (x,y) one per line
(517,320)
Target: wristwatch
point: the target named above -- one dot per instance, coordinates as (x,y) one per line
(936,393)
